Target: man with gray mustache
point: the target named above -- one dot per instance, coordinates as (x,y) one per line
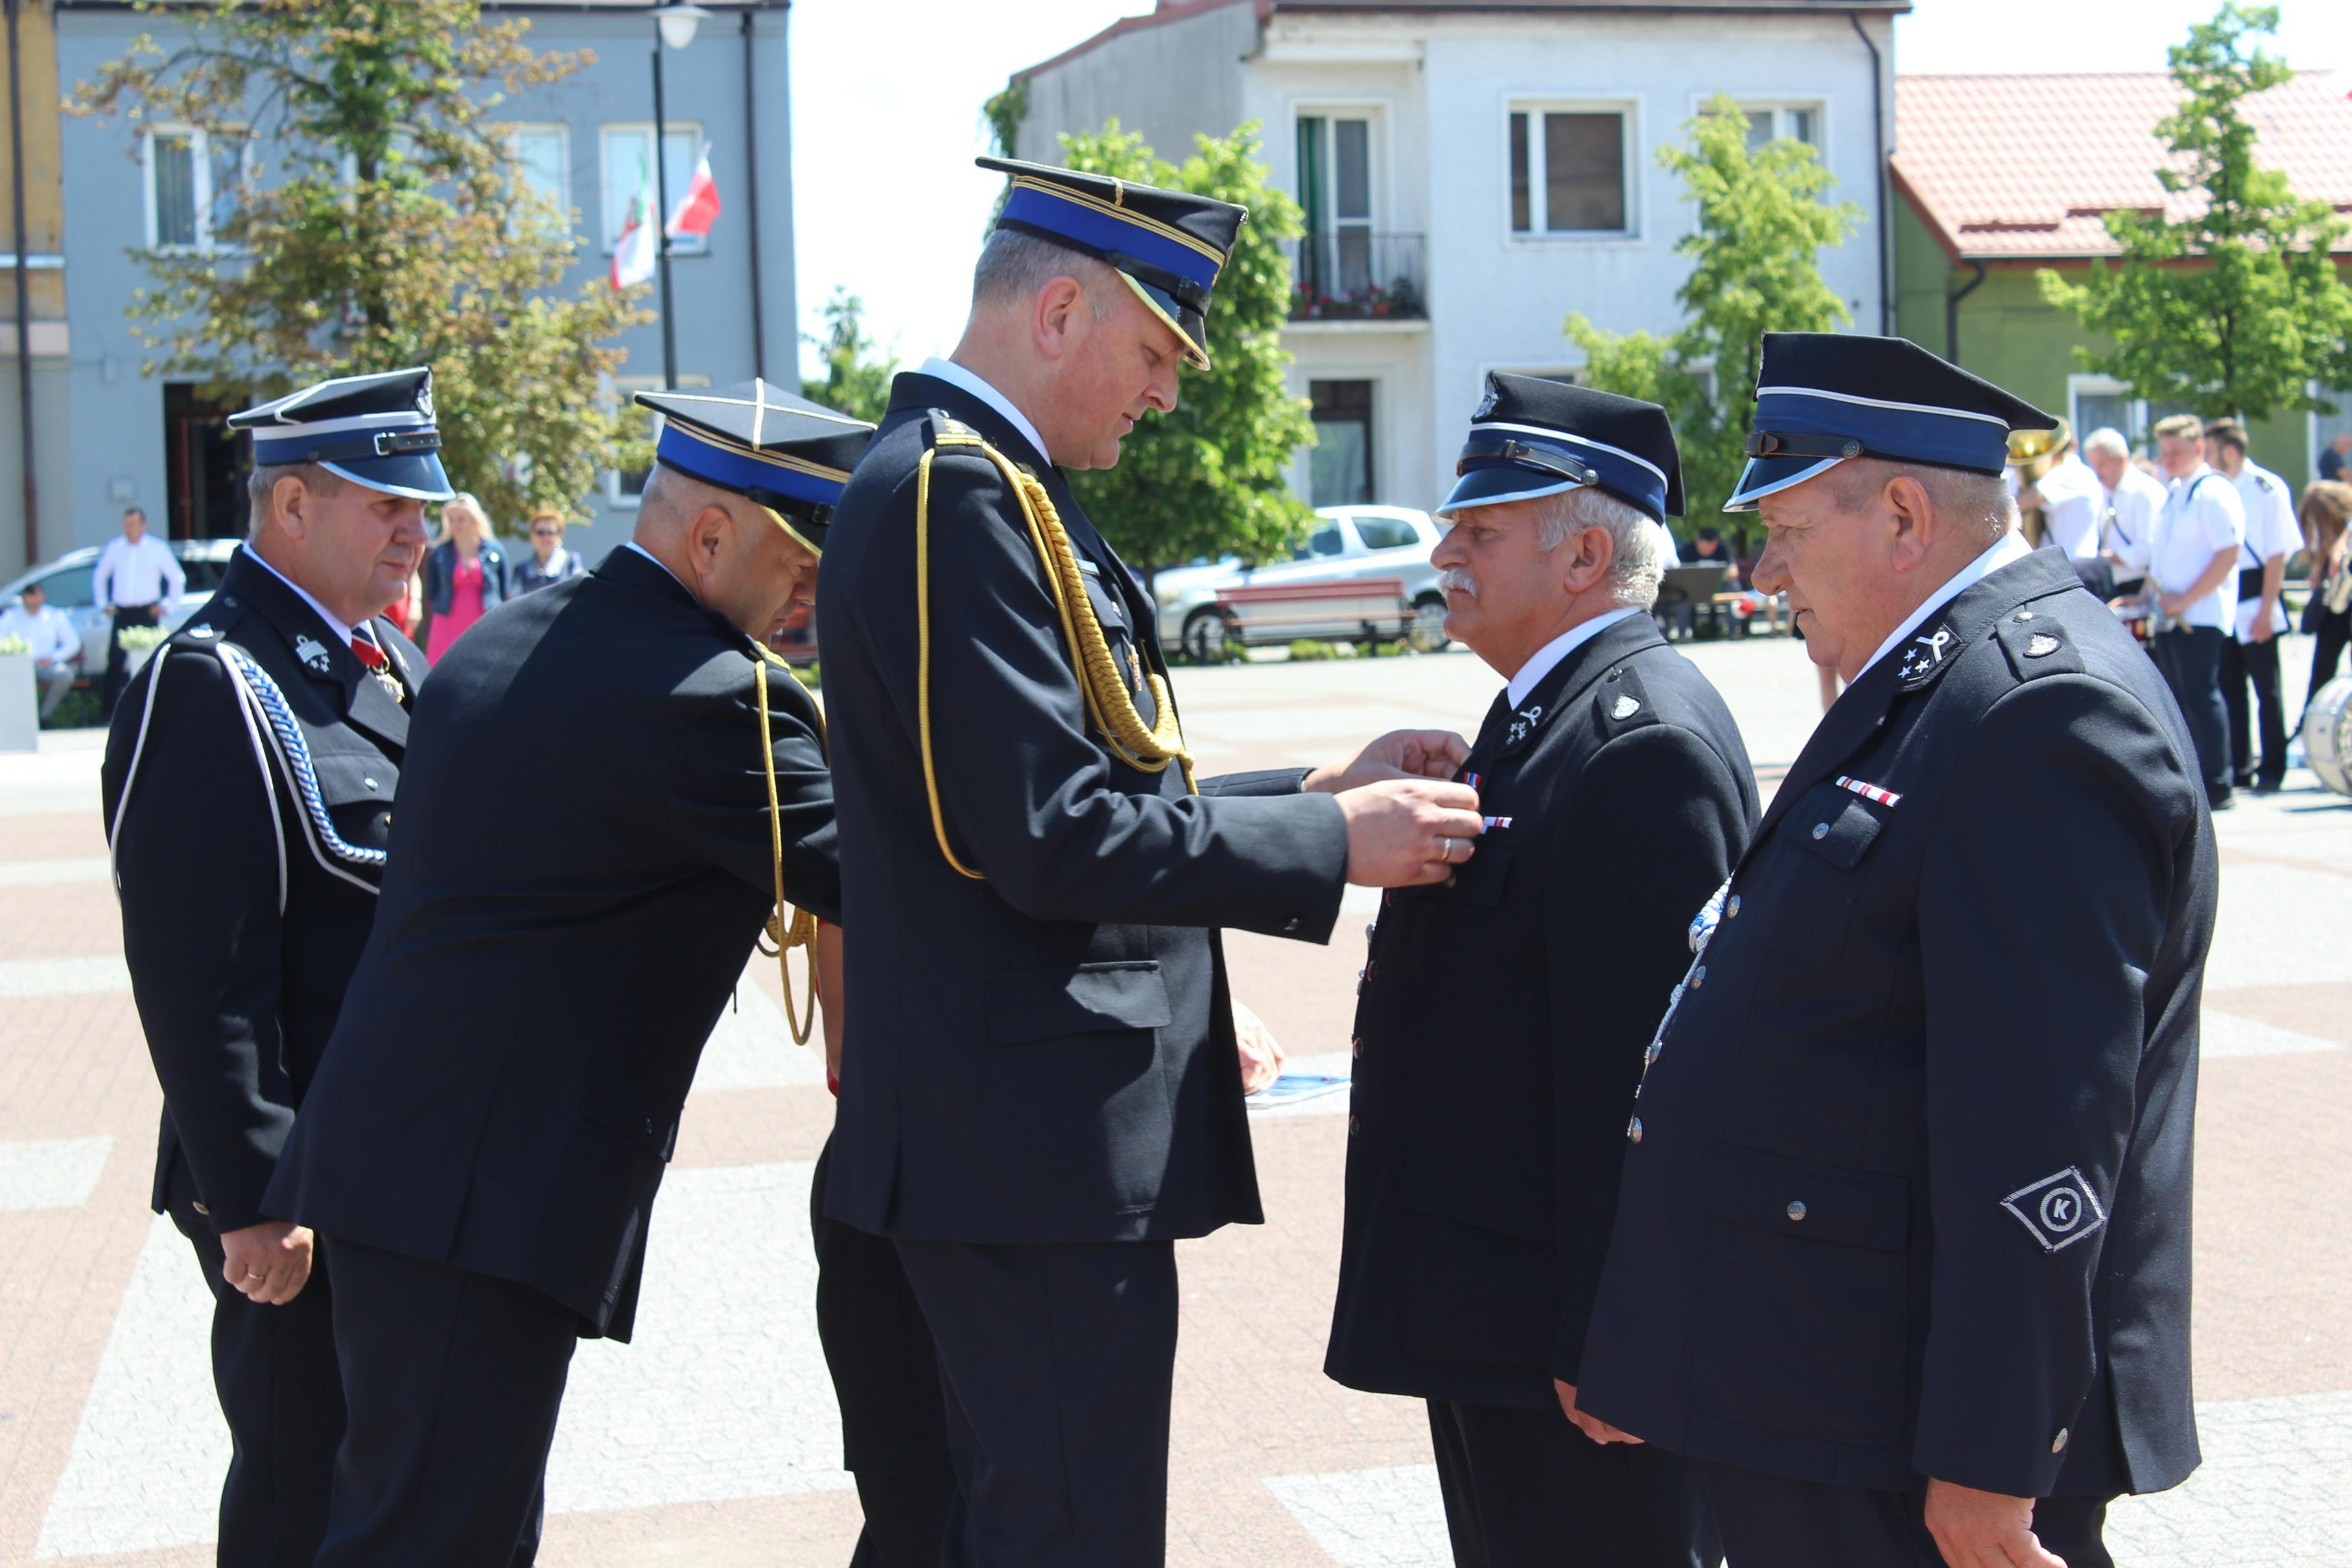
(1504,1013)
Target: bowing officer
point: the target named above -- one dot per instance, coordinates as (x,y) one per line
(1902,1249)
(480,1159)
(1058,1098)
(1504,1010)
(249,786)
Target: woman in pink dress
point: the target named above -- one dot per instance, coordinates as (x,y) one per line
(465,576)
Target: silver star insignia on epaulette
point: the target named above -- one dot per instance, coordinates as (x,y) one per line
(1624,708)
(312,652)
(2040,645)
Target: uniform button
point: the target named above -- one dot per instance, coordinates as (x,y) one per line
(1372,928)
(1355,1045)
(1699,977)
(1732,909)
(1633,1130)
(1820,830)
(369,782)
(1372,969)
(200,1209)
(1290,925)
(1797,1210)
(1452,877)
(1351,1126)
(2058,1443)
(1389,897)
(1650,1057)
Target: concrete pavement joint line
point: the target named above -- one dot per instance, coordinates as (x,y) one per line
(54,872)
(724,1394)
(1370,1519)
(51,1173)
(62,976)
(2226,1034)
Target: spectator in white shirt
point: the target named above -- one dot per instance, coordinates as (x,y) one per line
(2132,499)
(50,638)
(137,583)
(2191,561)
(2252,654)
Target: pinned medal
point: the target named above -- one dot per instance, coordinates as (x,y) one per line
(312,652)
(1868,791)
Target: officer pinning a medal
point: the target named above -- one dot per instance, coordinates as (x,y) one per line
(249,782)
(1901,1252)
(1505,1011)
(479,1158)
(1055,1096)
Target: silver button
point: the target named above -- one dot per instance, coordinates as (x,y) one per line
(200,1209)
(2025,615)
(1732,909)
(1355,1045)
(369,782)
(1820,830)
(1650,1057)
(1797,1209)
(2058,1443)
(1699,977)
(1634,1130)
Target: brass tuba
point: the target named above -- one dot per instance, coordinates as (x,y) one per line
(2034,453)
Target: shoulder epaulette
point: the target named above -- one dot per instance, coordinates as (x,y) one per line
(1623,701)
(2037,646)
(941,428)
(2264,482)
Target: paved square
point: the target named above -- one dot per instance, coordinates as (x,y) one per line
(712,1440)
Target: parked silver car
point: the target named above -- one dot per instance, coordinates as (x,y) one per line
(67,581)
(1349,543)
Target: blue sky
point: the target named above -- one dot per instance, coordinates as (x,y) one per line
(886,117)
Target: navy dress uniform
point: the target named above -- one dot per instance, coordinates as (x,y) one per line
(1907,1184)
(248,785)
(479,1157)
(1500,1032)
(1055,1098)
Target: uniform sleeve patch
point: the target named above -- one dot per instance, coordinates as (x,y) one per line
(2059,1209)
(2037,646)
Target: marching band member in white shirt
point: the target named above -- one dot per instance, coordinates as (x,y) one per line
(2252,654)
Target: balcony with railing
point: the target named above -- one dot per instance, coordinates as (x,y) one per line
(1355,274)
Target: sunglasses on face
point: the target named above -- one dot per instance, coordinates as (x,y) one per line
(547,533)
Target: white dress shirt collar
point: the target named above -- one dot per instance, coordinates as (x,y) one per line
(632,544)
(1547,657)
(955,375)
(2010,547)
(342,632)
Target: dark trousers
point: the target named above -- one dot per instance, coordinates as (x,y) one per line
(1524,1488)
(275,1369)
(1055,1362)
(2256,663)
(2331,634)
(886,1374)
(1772,1521)
(2190,660)
(118,657)
(454,1380)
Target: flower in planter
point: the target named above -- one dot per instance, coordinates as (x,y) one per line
(14,647)
(142,639)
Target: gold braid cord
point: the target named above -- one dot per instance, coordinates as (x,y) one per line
(799,930)
(1110,705)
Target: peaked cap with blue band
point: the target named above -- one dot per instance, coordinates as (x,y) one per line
(1823,397)
(788,454)
(1170,246)
(1536,437)
(375,429)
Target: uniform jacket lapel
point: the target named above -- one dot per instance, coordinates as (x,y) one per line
(1570,679)
(324,659)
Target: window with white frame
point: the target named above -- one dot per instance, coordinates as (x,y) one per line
(1571,169)
(1769,123)
(542,161)
(1337,184)
(2102,402)
(194,178)
(626,486)
(628,177)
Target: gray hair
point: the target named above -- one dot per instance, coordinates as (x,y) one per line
(262,484)
(1960,498)
(1014,266)
(2108,440)
(1636,564)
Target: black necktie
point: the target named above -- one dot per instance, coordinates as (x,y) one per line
(1491,731)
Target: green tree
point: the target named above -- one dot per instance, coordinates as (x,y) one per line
(1756,268)
(1213,478)
(1004,114)
(857,379)
(2236,305)
(384,224)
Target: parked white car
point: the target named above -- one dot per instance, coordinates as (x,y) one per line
(67,582)
(1348,544)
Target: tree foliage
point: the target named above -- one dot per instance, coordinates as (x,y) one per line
(2238,305)
(382,224)
(1756,268)
(1004,114)
(1211,479)
(857,378)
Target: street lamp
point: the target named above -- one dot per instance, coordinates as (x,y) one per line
(674,27)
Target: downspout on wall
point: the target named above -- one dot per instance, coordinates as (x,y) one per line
(1878,171)
(1952,298)
(24,293)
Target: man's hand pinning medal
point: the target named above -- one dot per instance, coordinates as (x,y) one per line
(1404,832)
(1400,754)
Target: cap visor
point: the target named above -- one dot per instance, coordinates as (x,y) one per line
(806,535)
(1769,476)
(1501,482)
(1186,324)
(416,474)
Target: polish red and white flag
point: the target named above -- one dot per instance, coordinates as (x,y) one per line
(698,208)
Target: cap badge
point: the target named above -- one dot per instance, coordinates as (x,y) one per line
(1923,660)
(1624,708)
(312,652)
(1488,404)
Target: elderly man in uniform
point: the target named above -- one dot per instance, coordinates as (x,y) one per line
(249,786)
(479,1158)
(1901,1253)
(2249,655)
(1505,1011)
(1059,1098)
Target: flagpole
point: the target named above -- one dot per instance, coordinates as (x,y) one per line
(660,219)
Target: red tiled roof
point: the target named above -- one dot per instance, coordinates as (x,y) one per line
(2021,168)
